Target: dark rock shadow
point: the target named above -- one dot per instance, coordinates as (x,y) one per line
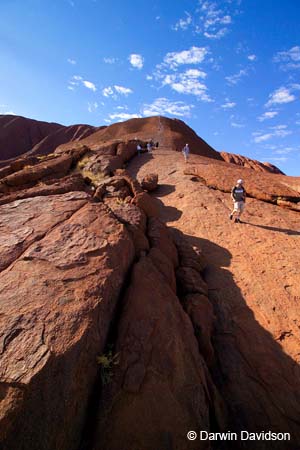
(258,381)
(279,230)
(137,162)
(164,189)
(167,213)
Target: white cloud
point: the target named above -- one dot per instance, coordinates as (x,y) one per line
(194,55)
(113,91)
(92,107)
(110,60)
(263,138)
(212,20)
(184,23)
(89,85)
(149,77)
(277,131)
(136,60)
(289,59)
(234,79)
(123,90)
(267,115)
(163,106)
(8,113)
(252,57)
(188,83)
(72,61)
(280,96)
(124,116)
(107,91)
(218,35)
(237,125)
(76,80)
(228,105)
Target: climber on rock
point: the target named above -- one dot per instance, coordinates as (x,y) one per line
(238,195)
(186,152)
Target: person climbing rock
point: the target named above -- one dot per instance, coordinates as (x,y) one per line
(238,195)
(138,149)
(149,148)
(186,152)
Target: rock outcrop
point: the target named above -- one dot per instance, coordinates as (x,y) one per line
(250,163)
(19,135)
(131,315)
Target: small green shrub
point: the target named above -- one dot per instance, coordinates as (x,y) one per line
(107,361)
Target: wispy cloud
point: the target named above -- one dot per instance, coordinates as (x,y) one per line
(136,60)
(267,115)
(123,90)
(113,91)
(5,112)
(234,79)
(252,57)
(77,80)
(280,96)
(183,23)
(194,55)
(89,85)
(188,83)
(289,59)
(276,131)
(237,125)
(163,106)
(110,60)
(92,107)
(72,61)
(228,104)
(212,19)
(123,116)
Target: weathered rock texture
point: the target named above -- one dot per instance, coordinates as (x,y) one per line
(19,135)
(250,163)
(128,318)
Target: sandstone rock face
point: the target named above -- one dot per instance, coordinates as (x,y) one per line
(65,262)
(262,186)
(157,351)
(19,135)
(250,163)
(149,182)
(128,318)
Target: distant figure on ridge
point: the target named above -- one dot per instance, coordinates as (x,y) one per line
(238,195)
(138,149)
(149,148)
(186,152)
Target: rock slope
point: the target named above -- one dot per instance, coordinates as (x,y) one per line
(130,317)
(19,135)
(250,163)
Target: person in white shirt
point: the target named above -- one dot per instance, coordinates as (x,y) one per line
(186,152)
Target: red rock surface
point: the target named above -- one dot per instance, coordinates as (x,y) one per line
(19,135)
(128,318)
(250,163)
(149,182)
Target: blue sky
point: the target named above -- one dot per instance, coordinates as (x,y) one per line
(228,68)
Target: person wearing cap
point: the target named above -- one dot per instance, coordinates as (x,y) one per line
(186,152)
(238,195)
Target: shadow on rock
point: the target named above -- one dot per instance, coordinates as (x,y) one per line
(138,161)
(279,230)
(259,383)
(164,189)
